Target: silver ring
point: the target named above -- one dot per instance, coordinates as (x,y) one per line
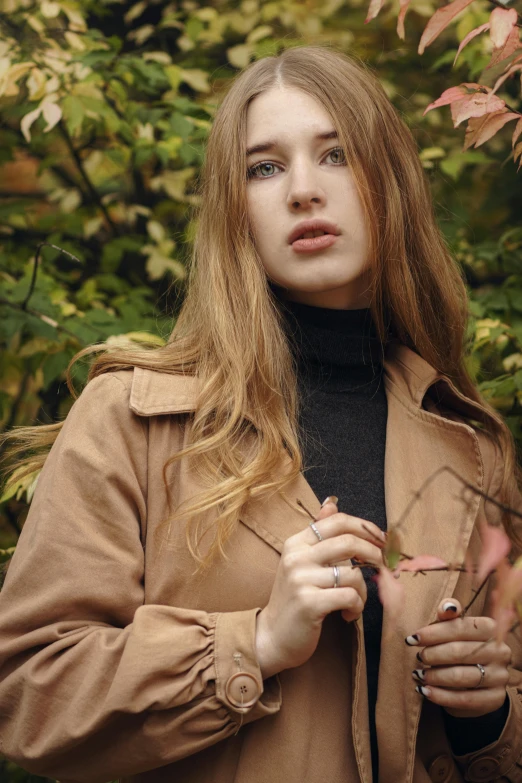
(317,533)
(482,675)
(337,576)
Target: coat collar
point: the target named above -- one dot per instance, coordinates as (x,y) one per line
(419,440)
(407,375)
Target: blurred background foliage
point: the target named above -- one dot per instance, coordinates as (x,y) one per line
(105,106)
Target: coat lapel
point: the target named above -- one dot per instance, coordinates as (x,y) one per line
(418,442)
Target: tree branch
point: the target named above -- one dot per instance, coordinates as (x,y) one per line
(35,268)
(90,187)
(50,321)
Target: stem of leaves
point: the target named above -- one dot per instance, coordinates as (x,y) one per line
(92,190)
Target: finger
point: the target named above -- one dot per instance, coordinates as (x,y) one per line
(328,508)
(448,609)
(477,702)
(345,547)
(319,576)
(461,677)
(463,628)
(338,523)
(465,653)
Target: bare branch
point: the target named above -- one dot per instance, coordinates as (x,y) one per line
(24,304)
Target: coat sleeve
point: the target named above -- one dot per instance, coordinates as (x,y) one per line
(501,760)
(94,683)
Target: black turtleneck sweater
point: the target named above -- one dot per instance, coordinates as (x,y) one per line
(342,422)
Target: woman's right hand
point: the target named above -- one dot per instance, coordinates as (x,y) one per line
(289,627)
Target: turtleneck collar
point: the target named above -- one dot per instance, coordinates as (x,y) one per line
(340,348)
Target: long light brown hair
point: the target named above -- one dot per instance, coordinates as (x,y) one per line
(230,330)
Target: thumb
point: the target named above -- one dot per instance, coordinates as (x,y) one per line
(448,609)
(328,508)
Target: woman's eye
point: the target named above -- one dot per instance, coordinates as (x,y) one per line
(252,171)
(338,150)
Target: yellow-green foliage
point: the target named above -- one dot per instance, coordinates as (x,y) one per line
(104,111)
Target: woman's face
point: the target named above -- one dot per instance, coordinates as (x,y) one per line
(302,178)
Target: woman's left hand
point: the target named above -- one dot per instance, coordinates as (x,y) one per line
(448,649)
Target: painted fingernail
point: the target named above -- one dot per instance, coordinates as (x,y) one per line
(330,499)
(449,607)
(423,690)
(412,640)
(419,673)
(418,656)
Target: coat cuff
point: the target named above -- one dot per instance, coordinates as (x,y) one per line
(502,758)
(239,683)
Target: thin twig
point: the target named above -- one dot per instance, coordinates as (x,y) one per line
(477,593)
(50,321)
(491,639)
(446,468)
(35,268)
(92,190)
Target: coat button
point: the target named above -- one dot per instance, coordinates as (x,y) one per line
(441,769)
(483,769)
(242,689)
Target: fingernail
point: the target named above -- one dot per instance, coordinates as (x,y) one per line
(449,607)
(330,499)
(419,673)
(423,690)
(412,640)
(418,656)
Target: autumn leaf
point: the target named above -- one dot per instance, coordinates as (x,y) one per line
(469,37)
(495,547)
(502,21)
(439,21)
(421,562)
(505,598)
(391,594)
(392,550)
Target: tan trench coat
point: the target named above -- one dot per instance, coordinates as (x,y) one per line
(116,663)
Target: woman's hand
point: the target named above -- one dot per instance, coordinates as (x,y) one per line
(451,650)
(289,627)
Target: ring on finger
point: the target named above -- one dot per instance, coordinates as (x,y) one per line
(482,675)
(317,533)
(337,576)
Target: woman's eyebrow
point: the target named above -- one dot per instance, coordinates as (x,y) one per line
(268,145)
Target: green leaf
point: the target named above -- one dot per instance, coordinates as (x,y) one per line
(143,155)
(73,112)
(55,365)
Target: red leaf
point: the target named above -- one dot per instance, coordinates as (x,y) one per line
(373,10)
(495,547)
(482,129)
(421,562)
(499,55)
(400,20)
(505,596)
(503,21)
(469,37)
(451,95)
(476,105)
(391,595)
(440,20)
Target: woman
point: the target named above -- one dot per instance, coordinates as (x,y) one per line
(121,659)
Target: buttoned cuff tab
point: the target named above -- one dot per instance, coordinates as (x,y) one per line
(239,682)
(501,759)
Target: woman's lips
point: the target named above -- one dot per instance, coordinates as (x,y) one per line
(313,243)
